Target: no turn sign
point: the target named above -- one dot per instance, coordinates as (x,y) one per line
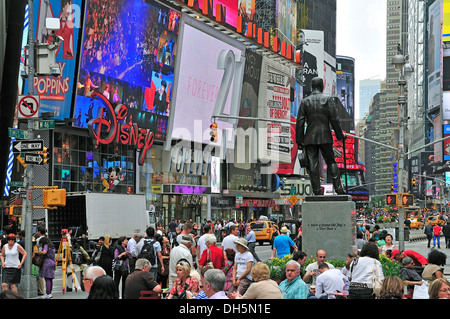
(28,107)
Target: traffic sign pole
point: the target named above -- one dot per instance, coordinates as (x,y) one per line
(27,204)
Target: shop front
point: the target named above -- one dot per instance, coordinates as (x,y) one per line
(176,183)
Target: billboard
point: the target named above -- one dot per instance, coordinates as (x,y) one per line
(274,138)
(446,144)
(434,55)
(313,57)
(446,21)
(129,60)
(345,83)
(286,18)
(215,174)
(232,7)
(245,152)
(198,82)
(56,92)
(446,84)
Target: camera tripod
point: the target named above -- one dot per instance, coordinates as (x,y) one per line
(64,248)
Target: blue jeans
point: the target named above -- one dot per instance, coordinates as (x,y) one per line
(438,240)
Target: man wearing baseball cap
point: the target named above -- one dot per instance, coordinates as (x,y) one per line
(419,260)
(282,244)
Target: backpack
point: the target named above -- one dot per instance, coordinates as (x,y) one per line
(77,256)
(148,252)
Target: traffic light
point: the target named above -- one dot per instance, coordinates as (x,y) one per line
(407,200)
(21,160)
(413,182)
(54,197)
(391,199)
(392,188)
(213,132)
(44,154)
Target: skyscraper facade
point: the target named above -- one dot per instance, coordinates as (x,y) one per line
(396,33)
(367,90)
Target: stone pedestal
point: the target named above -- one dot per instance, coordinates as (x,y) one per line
(329,223)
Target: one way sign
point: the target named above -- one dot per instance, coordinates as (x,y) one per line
(28,146)
(36,159)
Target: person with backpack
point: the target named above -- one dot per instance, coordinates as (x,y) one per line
(150,249)
(80,259)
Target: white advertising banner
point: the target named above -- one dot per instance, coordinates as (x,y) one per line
(274,103)
(199,82)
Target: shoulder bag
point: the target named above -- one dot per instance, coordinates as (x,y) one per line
(38,259)
(376,281)
(98,255)
(183,294)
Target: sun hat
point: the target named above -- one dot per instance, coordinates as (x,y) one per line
(284,229)
(243,242)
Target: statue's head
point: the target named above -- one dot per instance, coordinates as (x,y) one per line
(317,84)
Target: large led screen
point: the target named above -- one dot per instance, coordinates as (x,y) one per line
(129,52)
(199,81)
(56,92)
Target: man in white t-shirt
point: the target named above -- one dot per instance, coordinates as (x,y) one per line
(228,241)
(201,243)
(330,281)
(312,270)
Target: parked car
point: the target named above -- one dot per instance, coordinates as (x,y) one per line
(263,230)
(414,223)
(436,220)
(365,222)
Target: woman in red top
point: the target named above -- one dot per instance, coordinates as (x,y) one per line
(212,254)
(184,279)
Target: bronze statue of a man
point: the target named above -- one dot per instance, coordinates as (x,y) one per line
(318,112)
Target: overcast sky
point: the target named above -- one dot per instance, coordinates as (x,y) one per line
(361,34)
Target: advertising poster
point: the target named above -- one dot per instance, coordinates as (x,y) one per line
(434,55)
(232,8)
(130,61)
(55,92)
(345,83)
(446,85)
(446,21)
(446,143)
(437,135)
(199,81)
(248,108)
(294,166)
(287,21)
(329,77)
(275,142)
(246,9)
(313,57)
(215,174)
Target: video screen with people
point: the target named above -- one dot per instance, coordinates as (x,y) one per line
(129,50)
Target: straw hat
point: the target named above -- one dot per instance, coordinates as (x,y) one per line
(242,241)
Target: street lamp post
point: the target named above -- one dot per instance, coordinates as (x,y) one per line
(399,61)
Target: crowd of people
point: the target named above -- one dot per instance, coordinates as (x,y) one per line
(181,262)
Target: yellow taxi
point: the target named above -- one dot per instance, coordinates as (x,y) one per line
(414,223)
(263,230)
(436,220)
